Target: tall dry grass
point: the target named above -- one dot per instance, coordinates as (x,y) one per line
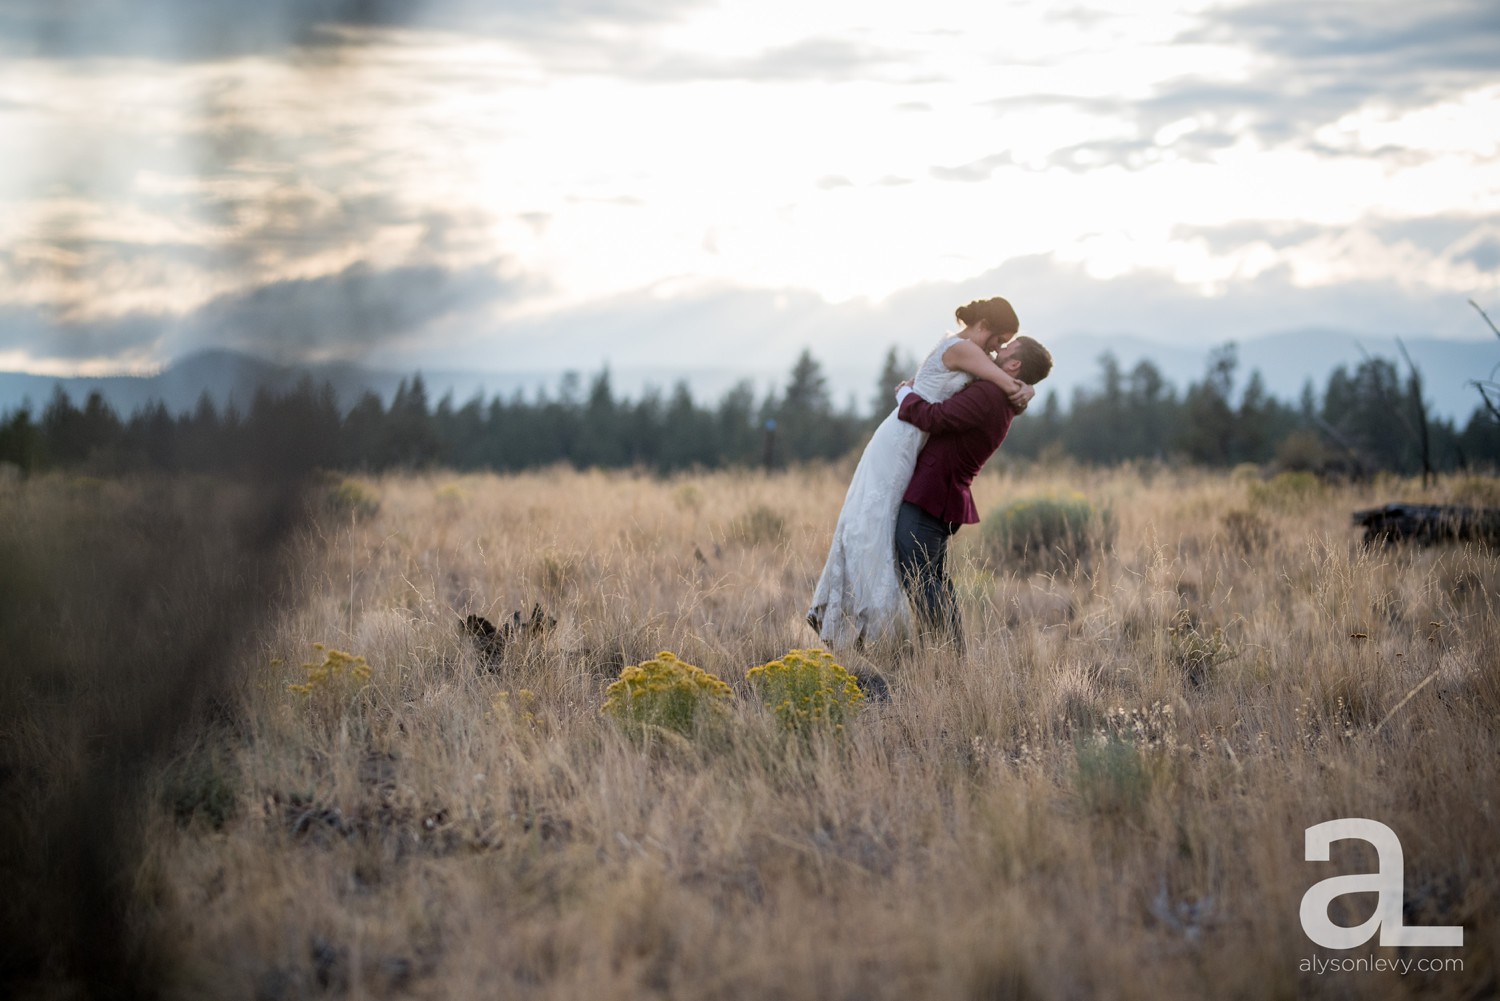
(1106,798)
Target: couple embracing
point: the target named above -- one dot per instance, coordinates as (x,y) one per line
(910,491)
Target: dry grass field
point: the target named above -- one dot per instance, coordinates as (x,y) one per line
(1105,799)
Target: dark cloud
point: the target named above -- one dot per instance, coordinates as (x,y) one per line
(178,29)
(815,59)
(204,30)
(342,315)
(1405,38)
(289,195)
(70,259)
(1484,255)
(1084,157)
(808,59)
(1221,239)
(975,170)
(1086,17)
(37,332)
(1441,235)
(1318,62)
(1324,60)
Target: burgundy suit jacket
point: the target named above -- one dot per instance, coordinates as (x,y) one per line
(966,430)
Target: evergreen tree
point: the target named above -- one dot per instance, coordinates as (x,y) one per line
(599,442)
(897,368)
(687,439)
(295,432)
(20,441)
(494,436)
(1208,429)
(1097,430)
(802,420)
(1151,410)
(737,429)
(62,430)
(556,424)
(466,439)
(1365,408)
(1036,430)
(362,436)
(203,437)
(1256,423)
(410,440)
(646,431)
(1479,443)
(153,434)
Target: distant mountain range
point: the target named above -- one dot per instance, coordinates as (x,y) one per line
(233,377)
(226,376)
(1286,361)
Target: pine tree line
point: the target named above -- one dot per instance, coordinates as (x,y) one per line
(1365,419)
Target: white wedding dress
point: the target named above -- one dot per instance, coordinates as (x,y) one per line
(859,600)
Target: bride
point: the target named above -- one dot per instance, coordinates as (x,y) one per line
(859,600)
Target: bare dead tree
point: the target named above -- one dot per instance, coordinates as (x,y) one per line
(1488,386)
(1419,407)
(1417,430)
(1356,458)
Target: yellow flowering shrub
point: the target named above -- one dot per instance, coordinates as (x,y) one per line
(665,692)
(338,672)
(523,709)
(807,690)
(1290,491)
(757,527)
(353,498)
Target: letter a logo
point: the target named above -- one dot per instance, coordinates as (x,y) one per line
(1388,883)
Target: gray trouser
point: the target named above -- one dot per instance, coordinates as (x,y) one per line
(922,561)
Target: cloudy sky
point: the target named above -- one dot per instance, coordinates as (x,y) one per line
(515,185)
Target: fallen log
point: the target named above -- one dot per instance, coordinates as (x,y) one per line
(1429,524)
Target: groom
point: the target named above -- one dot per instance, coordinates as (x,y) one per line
(965,430)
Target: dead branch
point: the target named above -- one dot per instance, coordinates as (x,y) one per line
(1485,396)
(1421,409)
(1486,317)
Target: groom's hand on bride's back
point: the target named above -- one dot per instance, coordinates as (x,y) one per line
(1018,399)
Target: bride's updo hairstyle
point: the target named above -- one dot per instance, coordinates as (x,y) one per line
(996,314)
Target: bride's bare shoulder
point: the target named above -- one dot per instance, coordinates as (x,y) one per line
(964,355)
(940,350)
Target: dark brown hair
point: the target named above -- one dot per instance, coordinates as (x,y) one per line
(1036,361)
(996,314)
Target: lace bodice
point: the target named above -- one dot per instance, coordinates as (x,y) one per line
(933,381)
